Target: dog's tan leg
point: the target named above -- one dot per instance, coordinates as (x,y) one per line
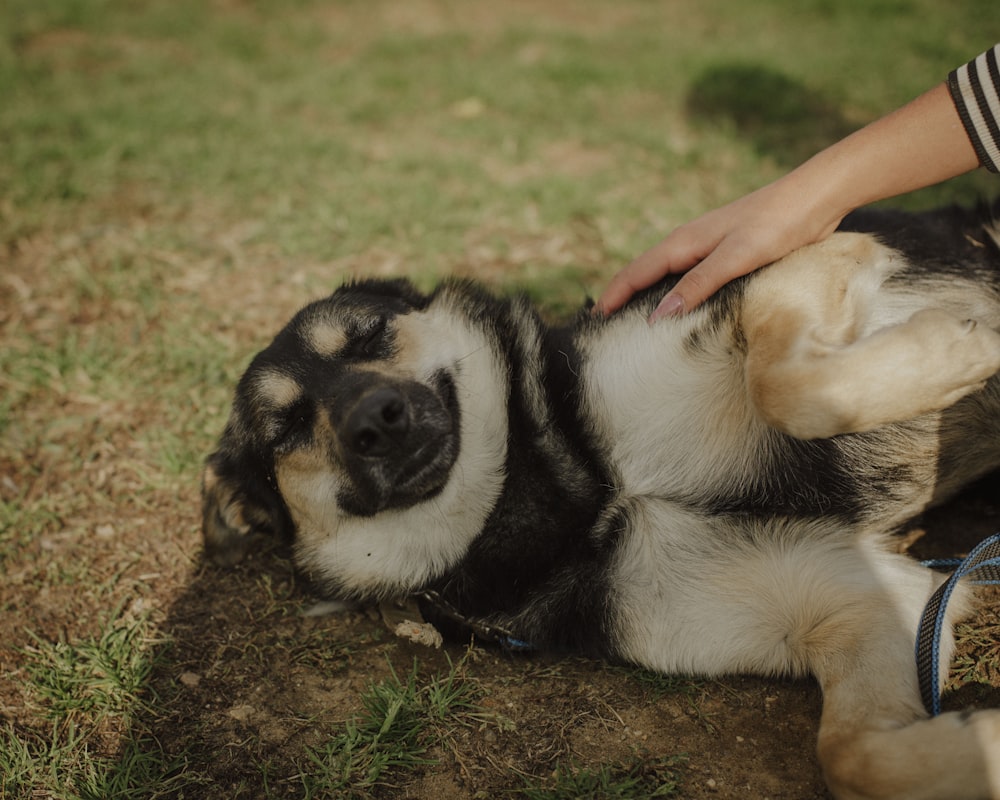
(875,740)
(955,755)
(815,370)
(925,364)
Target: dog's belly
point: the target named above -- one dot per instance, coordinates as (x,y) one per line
(672,421)
(678,422)
(716,596)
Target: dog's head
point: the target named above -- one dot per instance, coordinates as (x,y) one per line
(371,433)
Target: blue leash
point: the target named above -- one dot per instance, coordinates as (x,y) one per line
(984,562)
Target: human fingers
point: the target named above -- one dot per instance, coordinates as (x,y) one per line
(704,280)
(673,254)
(740,252)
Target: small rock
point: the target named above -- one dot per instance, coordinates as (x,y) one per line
(241,713)
(190,679)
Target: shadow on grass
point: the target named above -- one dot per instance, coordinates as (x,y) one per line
(245,683)
(779,115)
(788,122)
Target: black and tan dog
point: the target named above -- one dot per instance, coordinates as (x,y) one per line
(708,495)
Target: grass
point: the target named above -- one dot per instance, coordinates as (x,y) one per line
(360,757)
(61,764)
(101,676)
(403,721)
(177,178)
(978,659)
(397,728)
(90,692)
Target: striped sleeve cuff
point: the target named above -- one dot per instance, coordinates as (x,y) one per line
(975,88)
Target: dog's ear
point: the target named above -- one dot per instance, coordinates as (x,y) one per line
(239,505)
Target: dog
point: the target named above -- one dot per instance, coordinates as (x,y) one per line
(709,495)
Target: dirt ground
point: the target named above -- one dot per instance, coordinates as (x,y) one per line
(739,738)
(244,682)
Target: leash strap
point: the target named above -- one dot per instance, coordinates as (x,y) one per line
(485,631)
(984,564)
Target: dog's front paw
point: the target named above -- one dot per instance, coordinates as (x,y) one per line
(959,354)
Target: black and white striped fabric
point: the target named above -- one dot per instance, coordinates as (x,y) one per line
(975,88)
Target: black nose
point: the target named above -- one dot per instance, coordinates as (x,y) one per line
(377,424)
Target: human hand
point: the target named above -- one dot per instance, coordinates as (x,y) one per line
(920,144)
(722,245)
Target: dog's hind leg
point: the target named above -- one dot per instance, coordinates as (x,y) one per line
(925,364)
(875,739)
(814,367)
(955,755)
(795,597)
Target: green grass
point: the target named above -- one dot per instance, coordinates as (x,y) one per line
(94,677)
(90,692)
(401,722)
(177,178)
(335,137)
(62,763)
(20,522)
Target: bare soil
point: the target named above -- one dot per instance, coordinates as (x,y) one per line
(245,681)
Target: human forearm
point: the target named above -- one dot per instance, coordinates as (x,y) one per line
(920,144)
(947,131)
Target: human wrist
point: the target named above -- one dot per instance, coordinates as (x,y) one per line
(819,193)
(918,145)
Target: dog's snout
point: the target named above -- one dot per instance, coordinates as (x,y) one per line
(378,423)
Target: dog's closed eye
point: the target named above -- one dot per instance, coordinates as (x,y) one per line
(295,425)
(369,340)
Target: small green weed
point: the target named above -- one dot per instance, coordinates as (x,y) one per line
(17,764)
(400,724)
(64,764)
(90,691)
(140,769)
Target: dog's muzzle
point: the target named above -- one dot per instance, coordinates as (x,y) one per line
(398,442)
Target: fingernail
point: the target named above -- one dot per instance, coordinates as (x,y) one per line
(670,306)
(597,310)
